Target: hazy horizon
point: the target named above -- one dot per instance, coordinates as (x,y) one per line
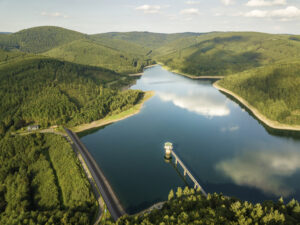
(164,16)
(145,31)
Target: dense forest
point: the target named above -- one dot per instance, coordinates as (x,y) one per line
(48,92)
(273,90)
(42,182)
(186,206)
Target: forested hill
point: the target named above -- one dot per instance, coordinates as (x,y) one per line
(122,57)
(39,39)
(215,53)
(90,52)
(48,91)
(147,39)
(227,53)
(273,90)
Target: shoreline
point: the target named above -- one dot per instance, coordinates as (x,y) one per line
(141,73)
(189,75)
(268,122)
(114,118)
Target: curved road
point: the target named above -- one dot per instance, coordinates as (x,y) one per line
(114,206)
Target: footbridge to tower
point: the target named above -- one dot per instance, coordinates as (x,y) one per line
(169,154)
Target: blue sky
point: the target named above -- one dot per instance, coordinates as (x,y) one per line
(166,16)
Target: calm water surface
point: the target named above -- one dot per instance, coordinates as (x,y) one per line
(226,149)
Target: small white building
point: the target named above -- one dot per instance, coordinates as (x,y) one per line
(33,127)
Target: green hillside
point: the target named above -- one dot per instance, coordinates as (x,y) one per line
(42,182)
(227,53)
(38,39)
(273,90)
(147,39)
(121,45)
(95,50)
(89,52)
(7,57)
(47,91)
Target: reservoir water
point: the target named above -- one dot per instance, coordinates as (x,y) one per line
(225,148)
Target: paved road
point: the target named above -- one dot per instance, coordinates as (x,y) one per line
(114,206)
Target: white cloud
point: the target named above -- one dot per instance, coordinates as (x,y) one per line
(263,170)
(257,3)
(191,11)
(192,2)
(218,14)
(198,102)
(149,9)
(257,13)
(188,19)
(227,2)
(230,128)
(55,14)
(290,12)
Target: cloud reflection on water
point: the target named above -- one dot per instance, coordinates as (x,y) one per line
(206,104)
(263,170)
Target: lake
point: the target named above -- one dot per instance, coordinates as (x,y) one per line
(223,145)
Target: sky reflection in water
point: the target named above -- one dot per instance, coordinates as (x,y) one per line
(225,148)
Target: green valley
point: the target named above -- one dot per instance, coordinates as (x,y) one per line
(54,76)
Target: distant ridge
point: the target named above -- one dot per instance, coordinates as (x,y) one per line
(40,39)
(199,54)
(145,38)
